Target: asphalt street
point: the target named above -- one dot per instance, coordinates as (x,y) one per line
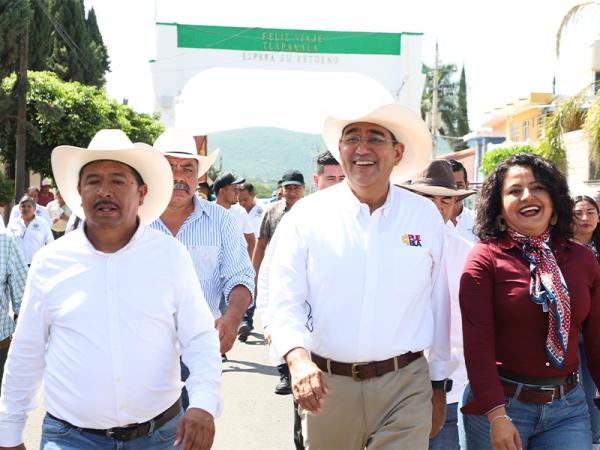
(254,418)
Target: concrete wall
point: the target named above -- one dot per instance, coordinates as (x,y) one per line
(578,164)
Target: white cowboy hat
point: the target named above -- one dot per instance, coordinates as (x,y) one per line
(181,144)
(406,126)
(114,145)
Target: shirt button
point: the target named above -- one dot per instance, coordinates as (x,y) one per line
(547,364)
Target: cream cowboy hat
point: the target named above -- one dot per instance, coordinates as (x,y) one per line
(406,126)
(181,144)
(114,145)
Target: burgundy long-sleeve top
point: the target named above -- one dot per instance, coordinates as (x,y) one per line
(503,327)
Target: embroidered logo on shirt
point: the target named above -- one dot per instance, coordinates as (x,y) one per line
(413,240)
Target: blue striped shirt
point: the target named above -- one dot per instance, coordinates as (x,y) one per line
(13,273)
(218,250)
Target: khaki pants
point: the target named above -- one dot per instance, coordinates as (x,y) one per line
(388,412)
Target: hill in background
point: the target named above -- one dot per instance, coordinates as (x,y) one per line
(264,153)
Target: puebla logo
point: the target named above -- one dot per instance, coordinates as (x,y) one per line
(412,240)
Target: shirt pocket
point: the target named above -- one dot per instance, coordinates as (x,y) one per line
(205,260)
(411,269)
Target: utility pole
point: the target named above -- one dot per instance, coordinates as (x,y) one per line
(21,137)
(434,102)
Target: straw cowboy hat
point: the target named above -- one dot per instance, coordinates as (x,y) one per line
(406,126)
(437,179)
(181,144)
(114,145)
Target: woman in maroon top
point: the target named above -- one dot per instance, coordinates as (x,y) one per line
(526,294)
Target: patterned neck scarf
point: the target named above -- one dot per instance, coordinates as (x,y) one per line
(592,248)
(548,289)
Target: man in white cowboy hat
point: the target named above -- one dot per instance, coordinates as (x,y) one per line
(108,310)
(211,235)
(437,183)
(367,257)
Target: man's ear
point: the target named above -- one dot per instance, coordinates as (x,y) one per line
(143,191)
(399,149)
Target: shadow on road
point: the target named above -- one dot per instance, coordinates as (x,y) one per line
(249,367)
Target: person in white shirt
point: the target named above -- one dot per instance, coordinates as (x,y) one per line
(436,182)
(60,213)
(227,189)
(40,210)
(247,200)
(107,312)
(462,218)
(367,257)
(32,231)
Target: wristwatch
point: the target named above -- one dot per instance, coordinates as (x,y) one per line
(444,385)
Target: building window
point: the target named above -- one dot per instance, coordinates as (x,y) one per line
(525,130)
(514,132)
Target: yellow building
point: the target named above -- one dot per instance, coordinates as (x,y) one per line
(520,121)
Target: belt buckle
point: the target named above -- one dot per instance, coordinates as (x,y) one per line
(549,389)
(110,433)
(355,373)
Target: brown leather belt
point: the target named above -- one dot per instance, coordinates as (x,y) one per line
(5,343)
(364,371)
(134,431)
(537,394)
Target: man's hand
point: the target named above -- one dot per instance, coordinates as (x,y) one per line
(503,434)
(227,329)
(308,381)
(195,430)
(18,447)
(438,414)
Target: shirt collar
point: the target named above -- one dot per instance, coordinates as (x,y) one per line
(200,207)
(139,232)
(558,242)
(356,206)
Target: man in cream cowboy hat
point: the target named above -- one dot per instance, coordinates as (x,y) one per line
(367,257)
(211,235)
(108,310)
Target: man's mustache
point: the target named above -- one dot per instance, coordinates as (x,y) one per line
(180,186)
(104,202)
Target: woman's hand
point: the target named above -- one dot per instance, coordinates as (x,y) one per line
(503,434)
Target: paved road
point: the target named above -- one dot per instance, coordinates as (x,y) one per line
(254,417)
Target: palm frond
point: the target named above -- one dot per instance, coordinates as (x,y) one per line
(570,17)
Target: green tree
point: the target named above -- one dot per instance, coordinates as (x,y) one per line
(462,114)
(78,51)
(14,16)
(40,42)
(71,113)
(497,155)
(98,54)
(447,97)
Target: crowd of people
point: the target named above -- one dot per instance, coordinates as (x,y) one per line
(397,317)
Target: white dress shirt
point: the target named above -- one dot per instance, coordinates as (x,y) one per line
(373,283)
(464,225)
(456,249)
(256,214)
(115,325)
(40,211)
(32,237)
(242,218)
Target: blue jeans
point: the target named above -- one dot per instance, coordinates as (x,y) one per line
(58,436)
(589,387)
(249,316)
(447,438)
(563,424)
